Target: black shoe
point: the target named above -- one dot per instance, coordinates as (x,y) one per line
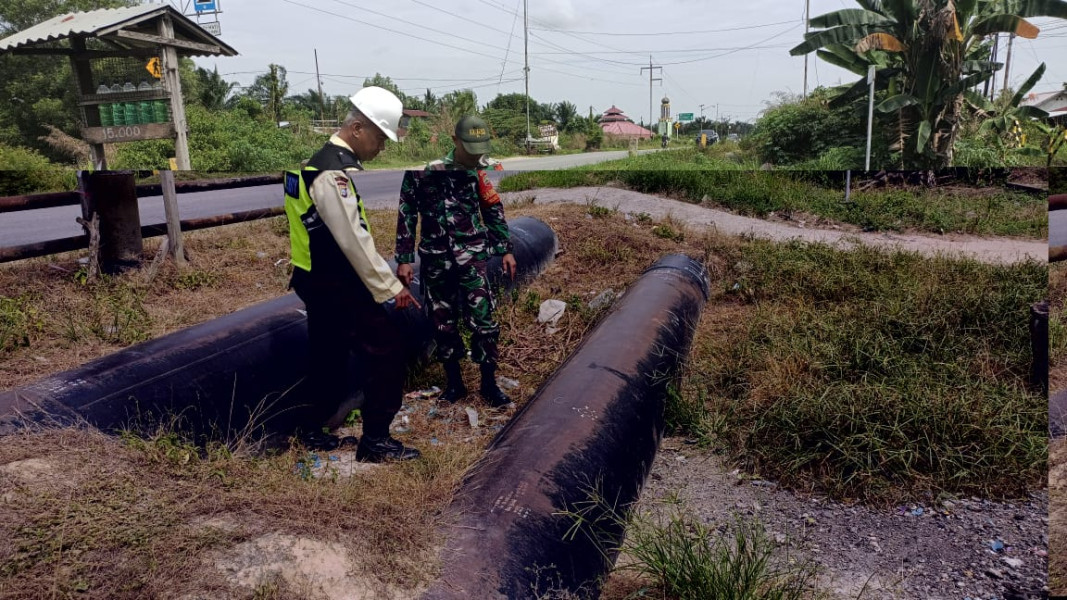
(495,397)
(317,440)
(383,449)
(453,394)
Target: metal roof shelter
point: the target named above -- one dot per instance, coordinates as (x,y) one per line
(125,43)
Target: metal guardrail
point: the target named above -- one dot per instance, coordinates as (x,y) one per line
(54,199)
(1057,253)
(80,242)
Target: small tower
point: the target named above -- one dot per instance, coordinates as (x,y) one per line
(665,116)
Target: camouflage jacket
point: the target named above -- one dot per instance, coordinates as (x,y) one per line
(462,216)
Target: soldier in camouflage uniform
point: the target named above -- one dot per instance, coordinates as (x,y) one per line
(462,226)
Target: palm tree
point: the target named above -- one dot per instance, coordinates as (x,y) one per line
(566,113)
(213,88)
(270,90)
(929,55)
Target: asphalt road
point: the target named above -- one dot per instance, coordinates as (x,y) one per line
(1057,228)
(379,189)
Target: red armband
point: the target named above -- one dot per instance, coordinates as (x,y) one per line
(486,191)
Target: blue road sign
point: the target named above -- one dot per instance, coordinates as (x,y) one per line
(204,5)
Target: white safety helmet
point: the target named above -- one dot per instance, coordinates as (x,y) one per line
(381,107)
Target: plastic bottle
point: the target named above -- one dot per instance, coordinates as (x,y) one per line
(104,109)
(130,105)
(145,111)
(159,107)
(118,112)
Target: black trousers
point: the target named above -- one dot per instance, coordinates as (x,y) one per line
(343,319)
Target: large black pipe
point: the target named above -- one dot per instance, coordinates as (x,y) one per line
(594,426)
(220,376)
(1057,414)
(1039,346)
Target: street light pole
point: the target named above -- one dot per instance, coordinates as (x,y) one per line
(870,117)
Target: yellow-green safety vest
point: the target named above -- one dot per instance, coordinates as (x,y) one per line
(297,203)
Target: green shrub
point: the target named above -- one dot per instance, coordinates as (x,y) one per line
(26,171)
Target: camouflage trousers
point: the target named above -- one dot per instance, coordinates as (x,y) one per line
(451,290)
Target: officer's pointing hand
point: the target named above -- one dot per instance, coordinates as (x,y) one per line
(507,262)
(404,299)
(405,273)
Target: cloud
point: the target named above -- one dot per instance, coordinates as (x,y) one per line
(555,13)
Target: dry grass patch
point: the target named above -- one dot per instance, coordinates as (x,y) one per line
(157,516)
(134,518)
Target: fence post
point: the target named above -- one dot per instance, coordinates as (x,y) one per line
(174,225)
(112,196)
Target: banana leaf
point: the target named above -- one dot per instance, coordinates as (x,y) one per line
(846,34)
(1028,85)
(850,16)
(925,129)
(896,103)
(1035,8)
(1004,24)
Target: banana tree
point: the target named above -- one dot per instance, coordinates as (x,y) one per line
(930,54)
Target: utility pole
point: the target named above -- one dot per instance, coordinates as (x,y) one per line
(526,68)
(1007,62)
(807,25)
(322,99)
(650,80)
(991,83)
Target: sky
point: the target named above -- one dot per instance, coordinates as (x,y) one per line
(732,56)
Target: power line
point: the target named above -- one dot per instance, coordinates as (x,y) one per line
(675,50)
(449,34)
(671,33)
(504,64)
(404,33)
(756,46)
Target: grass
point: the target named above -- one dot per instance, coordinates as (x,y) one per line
(870,375)
(139,518)
(696,177)
(691,560)
(670,553)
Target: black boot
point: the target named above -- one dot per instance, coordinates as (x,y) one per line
(383,449)
(490,391)
(454,388)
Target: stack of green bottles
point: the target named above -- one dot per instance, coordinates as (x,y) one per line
(132,112)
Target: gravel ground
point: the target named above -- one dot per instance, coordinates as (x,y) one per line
(952,548)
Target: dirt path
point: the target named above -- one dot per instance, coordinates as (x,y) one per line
(985,249)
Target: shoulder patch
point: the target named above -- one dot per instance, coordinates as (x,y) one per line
(292,184)
(342,185)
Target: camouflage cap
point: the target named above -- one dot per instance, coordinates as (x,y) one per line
(473,133)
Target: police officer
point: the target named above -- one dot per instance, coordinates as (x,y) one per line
(462,226)
(342,279)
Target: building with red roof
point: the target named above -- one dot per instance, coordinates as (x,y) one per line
(615,123)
